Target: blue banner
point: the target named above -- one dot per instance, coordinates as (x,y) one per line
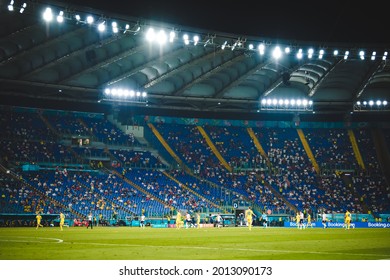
(159,225)
(341,225)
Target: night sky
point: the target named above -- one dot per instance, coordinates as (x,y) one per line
(318,21)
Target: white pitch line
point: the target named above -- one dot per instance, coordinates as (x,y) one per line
(229,249)
(32,239)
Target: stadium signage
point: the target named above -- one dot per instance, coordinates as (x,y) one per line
(379,225)
(340,225)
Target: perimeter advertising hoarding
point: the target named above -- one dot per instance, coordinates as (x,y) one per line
(340,225)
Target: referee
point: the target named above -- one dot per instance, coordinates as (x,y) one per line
(90,220)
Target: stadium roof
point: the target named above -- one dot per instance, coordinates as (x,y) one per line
(72,63)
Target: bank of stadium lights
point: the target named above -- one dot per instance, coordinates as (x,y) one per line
(371,105)
(60,17)
(374,55)
(162,37)
(299,54)
(12,7)
(263,48)
(321,54)
(114,26)
(273,104)
(277,52)
(48,15)
(310,53)
(186,39)
(102,26)
(124,95)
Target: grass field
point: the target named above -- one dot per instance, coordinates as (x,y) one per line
(129,243)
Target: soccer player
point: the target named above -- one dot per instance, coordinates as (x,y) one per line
(188,220)
(309,221)
(219,221)
(324,219)
(241,219)
(178,220)
(39,219)
(301,220)
(264,219)
(249,216)
(298,219)
(347,219)
(62,220)
(197,220)
(142,221)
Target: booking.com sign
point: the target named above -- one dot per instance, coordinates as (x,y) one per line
(341,225)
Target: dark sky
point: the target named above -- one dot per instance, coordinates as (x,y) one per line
(320,21)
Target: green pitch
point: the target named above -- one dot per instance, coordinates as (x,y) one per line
(128,243)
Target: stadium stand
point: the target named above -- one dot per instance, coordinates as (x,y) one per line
(120,182)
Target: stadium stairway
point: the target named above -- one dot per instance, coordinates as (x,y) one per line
(356,150)
(109,200)
(49,125)
(127,180)
(259,147)
(111,155)
(86,128)
(214,149)
(277,194)
(307,148)
(168,148)
(191,190)
(257,143)
(232,191)
(76,155)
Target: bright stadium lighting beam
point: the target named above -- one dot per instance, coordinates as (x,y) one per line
(277,53)
(60,17)
(23,8)
(126,95)
(90,19)
(295,105)
(102,26)
(48,15)
(11,6)
(162,37)
(150,35)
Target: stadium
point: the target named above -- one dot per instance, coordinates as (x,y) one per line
(127,125)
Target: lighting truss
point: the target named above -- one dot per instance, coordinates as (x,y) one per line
(123,95)
(261,46)
(371,105)
(296,105)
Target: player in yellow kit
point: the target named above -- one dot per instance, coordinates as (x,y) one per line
(298,219)
(197,220)
(249,217)
(178,220)
(347,218)
(39,219)
(309,221)
(62,219)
